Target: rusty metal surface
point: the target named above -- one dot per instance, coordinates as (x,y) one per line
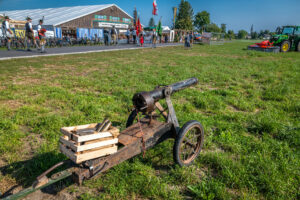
(40,177)
(145,101)
(132,133)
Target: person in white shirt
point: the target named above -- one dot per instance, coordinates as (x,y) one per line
(134,36)
(7,32)
(41,35)
(128,36)
(29,33)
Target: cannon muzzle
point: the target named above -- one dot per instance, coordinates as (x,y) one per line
(145,101)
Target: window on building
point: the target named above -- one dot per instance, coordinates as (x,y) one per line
(126,20)
(114,19)
(100,17)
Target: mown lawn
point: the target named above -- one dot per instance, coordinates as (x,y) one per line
(248,102)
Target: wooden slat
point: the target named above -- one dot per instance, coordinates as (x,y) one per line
(87,156)
(85,138)
(95,145)
(67,152)
(72,128)
(66,132)
(67,143)
(161,109)
(98,140)
(96,154)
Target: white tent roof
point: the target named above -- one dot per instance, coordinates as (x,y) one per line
(56,16)
(166,28)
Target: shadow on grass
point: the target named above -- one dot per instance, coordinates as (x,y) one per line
(25,172)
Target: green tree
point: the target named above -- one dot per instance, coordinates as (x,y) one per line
(184,19)
(213,28)
(255,35)
(230,34)
(261,34)
(242,34)
(223,28)
(151,22)
(267,32)
(202,19)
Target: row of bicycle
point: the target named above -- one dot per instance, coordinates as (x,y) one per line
(21,43)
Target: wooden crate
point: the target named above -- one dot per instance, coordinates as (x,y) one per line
(82,148)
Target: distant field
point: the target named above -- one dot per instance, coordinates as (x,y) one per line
(248,102)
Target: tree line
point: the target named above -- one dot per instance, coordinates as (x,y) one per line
(186,20)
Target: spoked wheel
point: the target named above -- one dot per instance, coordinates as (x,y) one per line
(188,143)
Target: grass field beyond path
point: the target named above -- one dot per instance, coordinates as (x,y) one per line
(248,103)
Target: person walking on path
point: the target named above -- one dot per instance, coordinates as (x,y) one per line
(191,38)
(29,33)
(106,37)
(41,35)
(7,32)
(186,41)
(134,36)
(128,36)
(114,35)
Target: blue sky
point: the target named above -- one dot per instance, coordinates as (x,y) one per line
(237,14)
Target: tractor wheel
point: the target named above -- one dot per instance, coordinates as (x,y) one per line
(298,47)
(188,143)
(285,46)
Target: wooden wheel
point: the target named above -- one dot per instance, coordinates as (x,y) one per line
(188,143)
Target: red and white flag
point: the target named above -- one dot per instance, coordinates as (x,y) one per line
(154,12)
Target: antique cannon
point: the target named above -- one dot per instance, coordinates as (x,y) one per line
(138,136)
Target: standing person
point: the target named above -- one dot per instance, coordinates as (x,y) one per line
(7,32)
(142,39)
(128,36)
(41,35)
(191,38)
(29,33)
(166,38)
(114,35)
(106,37)
(134,36)
(154,38)
(188,39)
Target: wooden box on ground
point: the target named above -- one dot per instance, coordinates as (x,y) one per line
(94,145)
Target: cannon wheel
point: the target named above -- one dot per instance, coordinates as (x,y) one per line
(188,143)
(131,118)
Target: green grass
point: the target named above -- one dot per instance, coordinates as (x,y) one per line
(248,103)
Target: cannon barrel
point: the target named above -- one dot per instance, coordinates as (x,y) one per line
(145,101)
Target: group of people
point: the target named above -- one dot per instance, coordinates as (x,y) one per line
(139,38)
(29,34)
(110,36)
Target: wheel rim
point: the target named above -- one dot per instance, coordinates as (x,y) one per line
(285,47)
(190,145)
